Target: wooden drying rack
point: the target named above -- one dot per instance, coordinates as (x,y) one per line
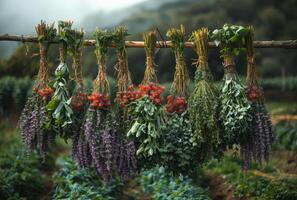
(285,44)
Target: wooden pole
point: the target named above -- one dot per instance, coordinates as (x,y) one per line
(286,44)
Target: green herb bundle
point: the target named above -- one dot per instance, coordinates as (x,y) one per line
(177,151)
(236,109)
(257,145)
(36,133)
(204,101)
(59,105)
(146,112)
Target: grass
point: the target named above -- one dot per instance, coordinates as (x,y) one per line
(282,108)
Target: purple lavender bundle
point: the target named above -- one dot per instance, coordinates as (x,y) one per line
(34,121)
(100,133)
(257,144)
(32,125)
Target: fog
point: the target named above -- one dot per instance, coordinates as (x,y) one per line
(20,16)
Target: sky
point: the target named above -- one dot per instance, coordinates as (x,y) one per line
(17,15)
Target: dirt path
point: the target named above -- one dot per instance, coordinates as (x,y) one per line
(219,188)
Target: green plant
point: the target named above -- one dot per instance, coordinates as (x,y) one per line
(177,152)
(7,85)
(22,91)
(74,183)
(146,126)
(267,184)
(230,38)
(161,185)
(286,135)
(20,174)
(59,105)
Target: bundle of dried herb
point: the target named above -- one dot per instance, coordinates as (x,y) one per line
(177,151)
(236,108)
(59,105)
(35,131)
(146,112)
(257,145)
(78,101)
(204,101)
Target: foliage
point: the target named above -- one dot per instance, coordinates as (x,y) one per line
(14,92)
(146,126)
(230,38)
(74,183)
(235,111)
(286,135)
(20,174)
(288,84)
(163,186)
(250,185)
(178,155)
(59,105)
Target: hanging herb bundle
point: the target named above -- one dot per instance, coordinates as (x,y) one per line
(33,120)
(100,138)
(78,101)
(176,149)
(123,74)
(100,128)
(146,112)
(59,105)
(258,144)
(204,101)
(125,94)
(235,111)
(176,102)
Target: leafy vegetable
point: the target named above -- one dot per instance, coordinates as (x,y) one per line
(73,183)
(161,185)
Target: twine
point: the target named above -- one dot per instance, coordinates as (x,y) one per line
(43,73)
(101,84)
(78,77)
(123,73)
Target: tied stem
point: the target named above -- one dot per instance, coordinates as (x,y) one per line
(252,77)
(123,73)
(181,78)
(78,77)
(150,40)
(43,73)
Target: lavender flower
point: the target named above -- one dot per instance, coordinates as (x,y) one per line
(257,145)
(34,135)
